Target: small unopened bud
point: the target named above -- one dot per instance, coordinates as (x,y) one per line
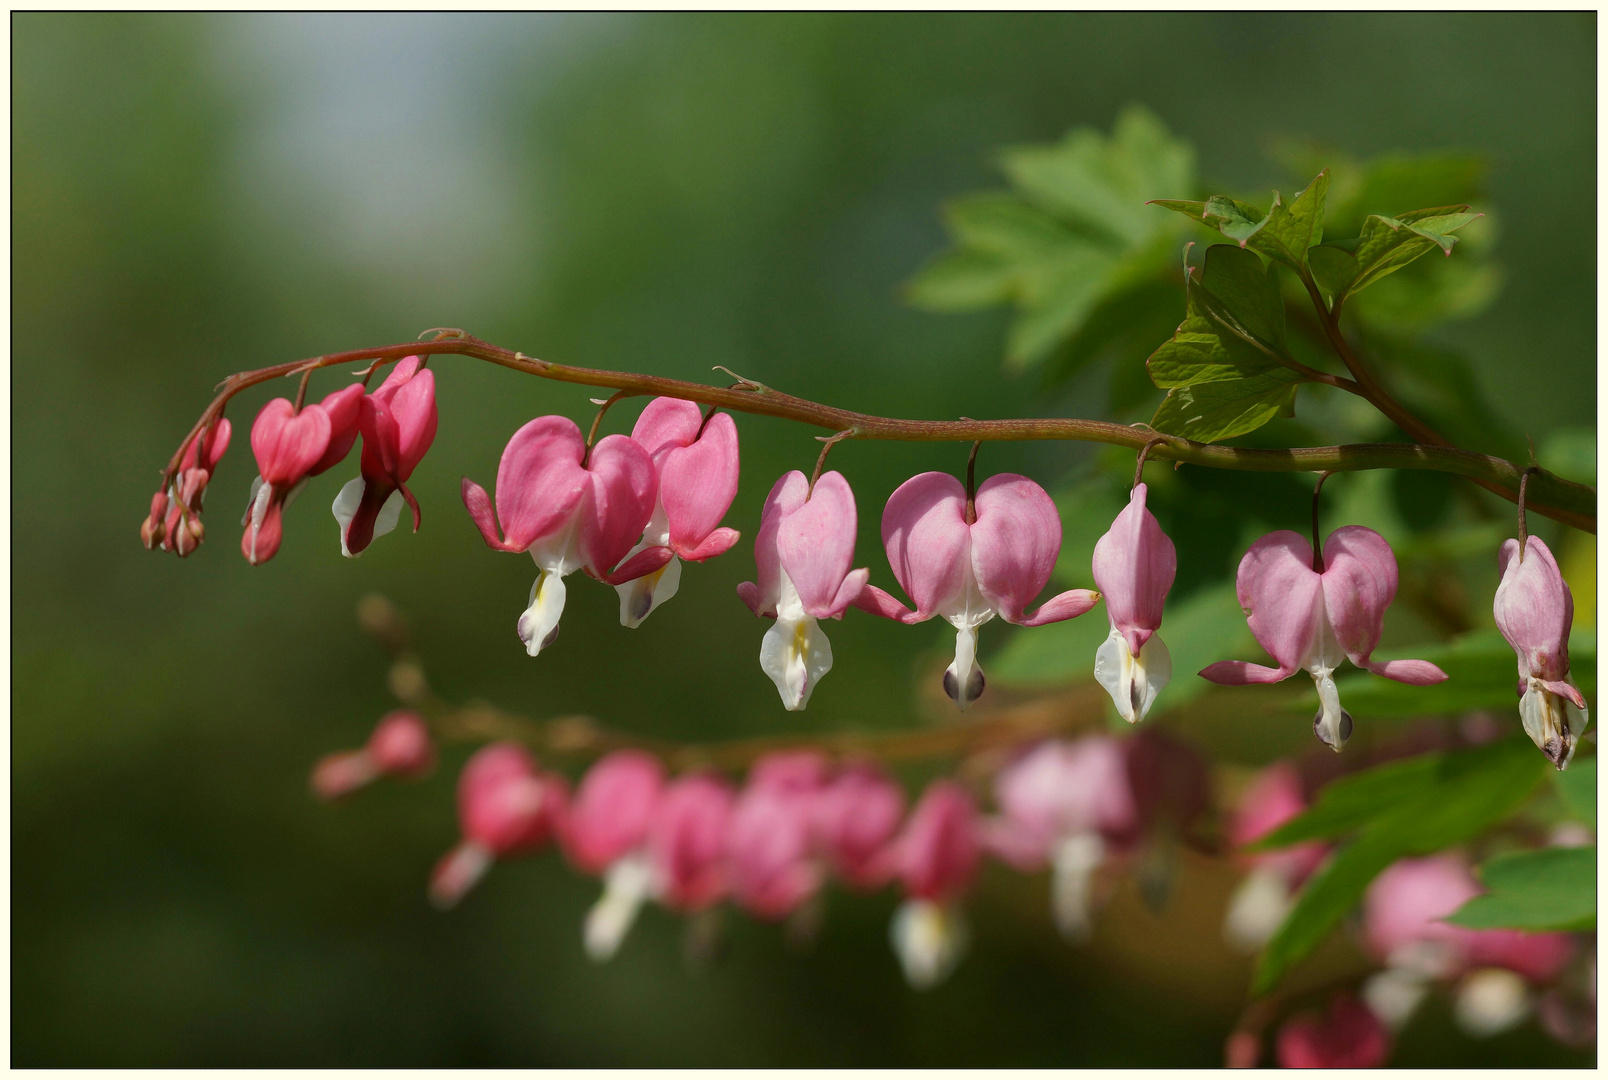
(400,745)
(406,680)
(188,535)
(154,528)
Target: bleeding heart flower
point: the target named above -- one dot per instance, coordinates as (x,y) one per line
(571,510)
(1312,613)
(804,549)
(971,561)
(174,523)
(1534,610)
(505,807)
(287,444)
(856,818)
(687,843)
(606,834)
(1134,566)
(697,466)
(1347,1036)
(399,746)
(398,424)
(937,857)
(770,857)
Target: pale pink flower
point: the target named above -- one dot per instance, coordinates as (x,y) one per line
(968,571)
(1263,899)
(936,857)
(606,833)
(803,553)
(1313,613)
(1534,610)
(857,816)
(571,510)
(686,843)
(1134,566)
(770,858)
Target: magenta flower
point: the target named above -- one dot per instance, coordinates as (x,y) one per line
(399,746)
(803,553)
(287,444)
(686,843)
(856,818)
(1265,896)
(606,833)
(570,509)
(1347,1036)
(1066,804)
(398,424)
(174,523)
(1534,611)
(937,857)
(505,807)
(968,564)
(1134,566)
(1313,612)
(770,858)
(697,466)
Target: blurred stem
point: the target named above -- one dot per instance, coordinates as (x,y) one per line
(1573,504)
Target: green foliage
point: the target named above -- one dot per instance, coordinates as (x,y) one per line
(1071,241)
(1382,814)
(1578,786)
(1549,889)
(1284,233)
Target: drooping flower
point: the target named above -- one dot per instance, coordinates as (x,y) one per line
(803,553)
(174,523)
(686,843)
(937,856)
(857,816)
(399,746)
(1067,804)
(769,852)
(969,563)
(1347,1036)
(1534,610)
(398,424)
(606,833)
(1313,613)
(1134,566)
(506,807)
(697,464)
(265,505)
(287,444)
(571,510)
(1265,896)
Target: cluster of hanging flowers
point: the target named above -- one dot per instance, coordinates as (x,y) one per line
(628,510)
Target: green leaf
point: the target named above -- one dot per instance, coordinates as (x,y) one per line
(1402,809)
(1549,889)
(1208,412)
(1578,786)
(1241,295)
(1388,244)
(962,280)
(1283,233)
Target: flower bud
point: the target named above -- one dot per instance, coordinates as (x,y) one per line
(1534,610)
(505,808)
(856,818)
(686,842)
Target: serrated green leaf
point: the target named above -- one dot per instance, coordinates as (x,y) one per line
(1057,299)
(1197,354)
(1549,889)
(1578,786)
(1242,295)
(1234,219)
(1209,412)
(1188,207)
(1461,796)
(1283,233)
(962,280)
(1388,244)
(1001,224)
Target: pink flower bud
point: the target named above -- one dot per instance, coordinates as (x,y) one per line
(856,818)
(569,509)
(398,424)
(803,552)
(613,809)
(1348,1036)
(686,842)
(969,571)
(1134,566)
(939,850)
(399,746)
(153,529)
(1313,620)
(1059,790)
(505,808)
(1534,610)
(769,854)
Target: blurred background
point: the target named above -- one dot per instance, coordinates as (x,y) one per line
(197,195)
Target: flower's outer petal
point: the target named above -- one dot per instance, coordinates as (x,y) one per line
(1282,597)
(1412,672)
(880,602)
(816,545)
(414,407)
(380,438)
(697,484)
(665,424)
(405,369)
(207,449)
(1565,689)
(768,851)
(478,503)
(1015,540)
(617,504)
(927,539)
(796,655)
(1134,566)
(1059,608)
(287,444)
(1534,609)
(855,818)
(613,809)
(1243,673)
(1359,582)
(853,585)
(939,851)
(686,842)
(540,481)
(343,408)
(260,542)
(647,561)
(716,543)
(786,495)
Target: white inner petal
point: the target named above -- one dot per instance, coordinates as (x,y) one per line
(257,487)
(794,653)
(929,940)
(626,884)
(1257,909)
(538,624)
(639,597)
(347,500)
(1133,682)
(1076,859)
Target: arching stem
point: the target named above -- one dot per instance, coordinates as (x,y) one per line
(820,462)
(1317,539)
(971,483)
(1144,452)
(591,436)
(1524,525)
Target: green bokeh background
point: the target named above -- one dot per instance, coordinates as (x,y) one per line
(194,195)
